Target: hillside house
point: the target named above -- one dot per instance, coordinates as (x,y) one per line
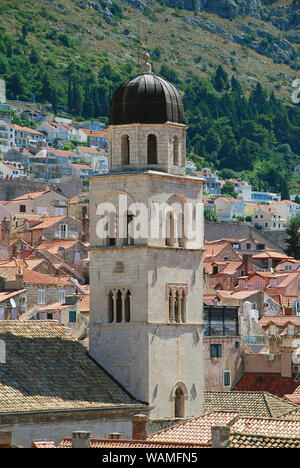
(228,208)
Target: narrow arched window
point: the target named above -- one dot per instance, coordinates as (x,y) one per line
(129,220)
(112,229)
(179,403)
(176,151)
(180,230)
(170,229)
(119,307)
(152,149)
(125,150)
(110,307)
(127,307)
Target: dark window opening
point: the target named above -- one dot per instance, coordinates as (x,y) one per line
(152,150)
(119,307)
(127,307)
(179,403)
(215,350)
(125,150)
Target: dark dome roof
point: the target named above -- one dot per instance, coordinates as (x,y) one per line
(146,99)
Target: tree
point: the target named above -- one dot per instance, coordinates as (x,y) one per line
(297,199)
(293,241)
(209,214)
(228,189)
(220,80)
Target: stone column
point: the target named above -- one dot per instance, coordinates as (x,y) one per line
(172,305)
(123,292)
(183,306)
(114,298)
(179,297)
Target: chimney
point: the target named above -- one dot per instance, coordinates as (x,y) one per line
(220,436)
(5,230)
(5,439)
(61,252)
(139,427)
(114,435)
(247,264)
(81,439)
(19,281)
(85,228)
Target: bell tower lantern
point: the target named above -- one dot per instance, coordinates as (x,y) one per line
(147,125)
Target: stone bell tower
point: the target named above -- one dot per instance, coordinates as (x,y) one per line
(146,237)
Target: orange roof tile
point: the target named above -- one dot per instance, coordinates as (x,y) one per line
(29,195)
(271,383)
(95,133)
(47,222)
(53,246)
(123,443)
(43,444)
(280,320)
(26,129)
(34,277)
(194,430)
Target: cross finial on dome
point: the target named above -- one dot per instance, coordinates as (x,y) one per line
(146,66)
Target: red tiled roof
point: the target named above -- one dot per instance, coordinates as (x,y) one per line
(34,277)
(29,196)
(26,129)
(43,444)
(194,430)
(95,133)
(266,426)
(271,383)
(124,443)
(53,246)
(47,222)
(280,320)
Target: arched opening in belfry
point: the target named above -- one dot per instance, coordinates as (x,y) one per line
(179,403)
(176,151)
(112,229)
(127,307)
(152,149)
(119,307)
(180,230)
(125,150)
(170,229)
(130,240)
(110,307)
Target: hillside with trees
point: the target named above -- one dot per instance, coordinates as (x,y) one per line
(237,92)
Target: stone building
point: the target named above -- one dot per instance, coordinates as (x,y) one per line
(146,326)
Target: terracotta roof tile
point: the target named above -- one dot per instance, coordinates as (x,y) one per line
(123,443)
(259,441)
(48,369)
(271,383)
(267,427)
(260,404)
(43,444)
(194,430)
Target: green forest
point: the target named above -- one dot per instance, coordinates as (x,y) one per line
(240,134)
